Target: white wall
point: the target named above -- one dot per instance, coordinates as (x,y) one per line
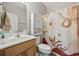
(37,8)
(55,6)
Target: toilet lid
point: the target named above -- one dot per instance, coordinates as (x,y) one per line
(44,46)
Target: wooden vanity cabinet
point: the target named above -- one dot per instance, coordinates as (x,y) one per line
(27,48)
(1,52)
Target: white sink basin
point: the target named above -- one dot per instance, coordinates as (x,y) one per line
(15,37)
(10,39)
(13,40)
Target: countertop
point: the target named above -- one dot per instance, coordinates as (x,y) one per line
(5,43)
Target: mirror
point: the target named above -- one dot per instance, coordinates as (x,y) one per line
(2,16)
(12,19)
(12,16)
(5,21)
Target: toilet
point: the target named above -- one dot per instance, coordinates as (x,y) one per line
(43,49)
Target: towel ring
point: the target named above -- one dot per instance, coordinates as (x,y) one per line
(68,25)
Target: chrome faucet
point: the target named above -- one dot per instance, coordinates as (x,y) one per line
(2,35)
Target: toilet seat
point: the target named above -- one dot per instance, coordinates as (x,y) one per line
(44,48)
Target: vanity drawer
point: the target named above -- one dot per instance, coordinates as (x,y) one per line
(16,50)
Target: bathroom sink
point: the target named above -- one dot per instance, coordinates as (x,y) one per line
(24,37)
(8,38)
(16,37)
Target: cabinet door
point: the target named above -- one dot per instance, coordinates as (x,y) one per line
(1,53)
(23,54)
(31,51)
(19,48)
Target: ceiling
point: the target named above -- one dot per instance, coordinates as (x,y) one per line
(57,5)
(51,6)
(18,4)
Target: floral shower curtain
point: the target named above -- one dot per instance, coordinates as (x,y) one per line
(60,29)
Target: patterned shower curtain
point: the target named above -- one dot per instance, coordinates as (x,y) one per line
(60,30)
